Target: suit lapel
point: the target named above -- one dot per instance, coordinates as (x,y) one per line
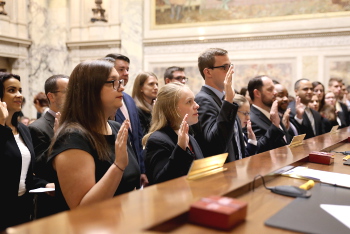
(213,95)
(50,119)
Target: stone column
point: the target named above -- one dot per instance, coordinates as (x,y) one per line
(131,31)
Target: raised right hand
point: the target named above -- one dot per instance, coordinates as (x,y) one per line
(121,153)
(229,91)
(299,108)
(274,117)
(3,112)
(183,138)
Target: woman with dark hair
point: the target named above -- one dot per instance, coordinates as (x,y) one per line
(144,93)
(17,156)
(320,92)
(90,154)
(170,150)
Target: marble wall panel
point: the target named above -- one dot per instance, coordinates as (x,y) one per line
(48,53)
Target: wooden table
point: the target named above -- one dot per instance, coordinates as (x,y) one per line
(163,207)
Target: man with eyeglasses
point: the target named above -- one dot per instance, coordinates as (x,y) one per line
(266,123)
(307,120)
(335,85)
(42,131)
(175,74)
(217,131)
(129,111)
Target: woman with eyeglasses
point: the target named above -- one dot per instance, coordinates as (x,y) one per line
(17,156)
(169,149)
(144,93)
(243,114)
(90,154)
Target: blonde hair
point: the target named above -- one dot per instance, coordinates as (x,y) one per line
(140,80)
(165,109)
(239,100)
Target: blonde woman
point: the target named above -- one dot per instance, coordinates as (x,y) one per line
(243,113)
(144,93)
(170,150)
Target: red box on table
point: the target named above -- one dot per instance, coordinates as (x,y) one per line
(321,157)
(218,212)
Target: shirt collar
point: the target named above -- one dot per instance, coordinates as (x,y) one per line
(266,113)
(217,92)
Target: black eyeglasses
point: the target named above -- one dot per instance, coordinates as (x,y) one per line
(116,83)
(244,113)
(181,78)
(225,67)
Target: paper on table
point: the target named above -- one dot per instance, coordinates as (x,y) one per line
(41,190)
(333,178)
(341,213)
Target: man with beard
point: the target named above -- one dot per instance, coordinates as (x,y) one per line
(283,112)
(266,123)
(307,120)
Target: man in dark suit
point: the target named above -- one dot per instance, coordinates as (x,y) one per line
(42,131)
(217,113)
(175,74)
(307,120)
(129,111)
(335,86)
(266,123)
(283,110)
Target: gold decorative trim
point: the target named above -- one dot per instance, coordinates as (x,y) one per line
(252,38)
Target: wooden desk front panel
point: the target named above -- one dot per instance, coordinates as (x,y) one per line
(149,210)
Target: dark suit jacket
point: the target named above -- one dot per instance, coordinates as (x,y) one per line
(136,134)
(267,134)
(165,159)
(42,132)
(10,172)
(305,127)
(343,115)
(145,120)
(215,129)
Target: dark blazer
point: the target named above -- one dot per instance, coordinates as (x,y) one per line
(343,115)
(145,120)
(305,127)
(42,132)
(136,134)
(165,159)
(267,134)
(10,172)
(215,128)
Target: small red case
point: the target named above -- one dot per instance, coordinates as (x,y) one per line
(321,157)
(218,212)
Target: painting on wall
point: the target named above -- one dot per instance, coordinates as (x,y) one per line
(340,69)
(283,72)
(169,13)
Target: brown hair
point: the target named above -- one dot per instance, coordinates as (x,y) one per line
(164,110)
(207,58)
(328,112)
(83,110)
(140,80)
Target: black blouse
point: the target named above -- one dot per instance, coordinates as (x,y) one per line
(75,140)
